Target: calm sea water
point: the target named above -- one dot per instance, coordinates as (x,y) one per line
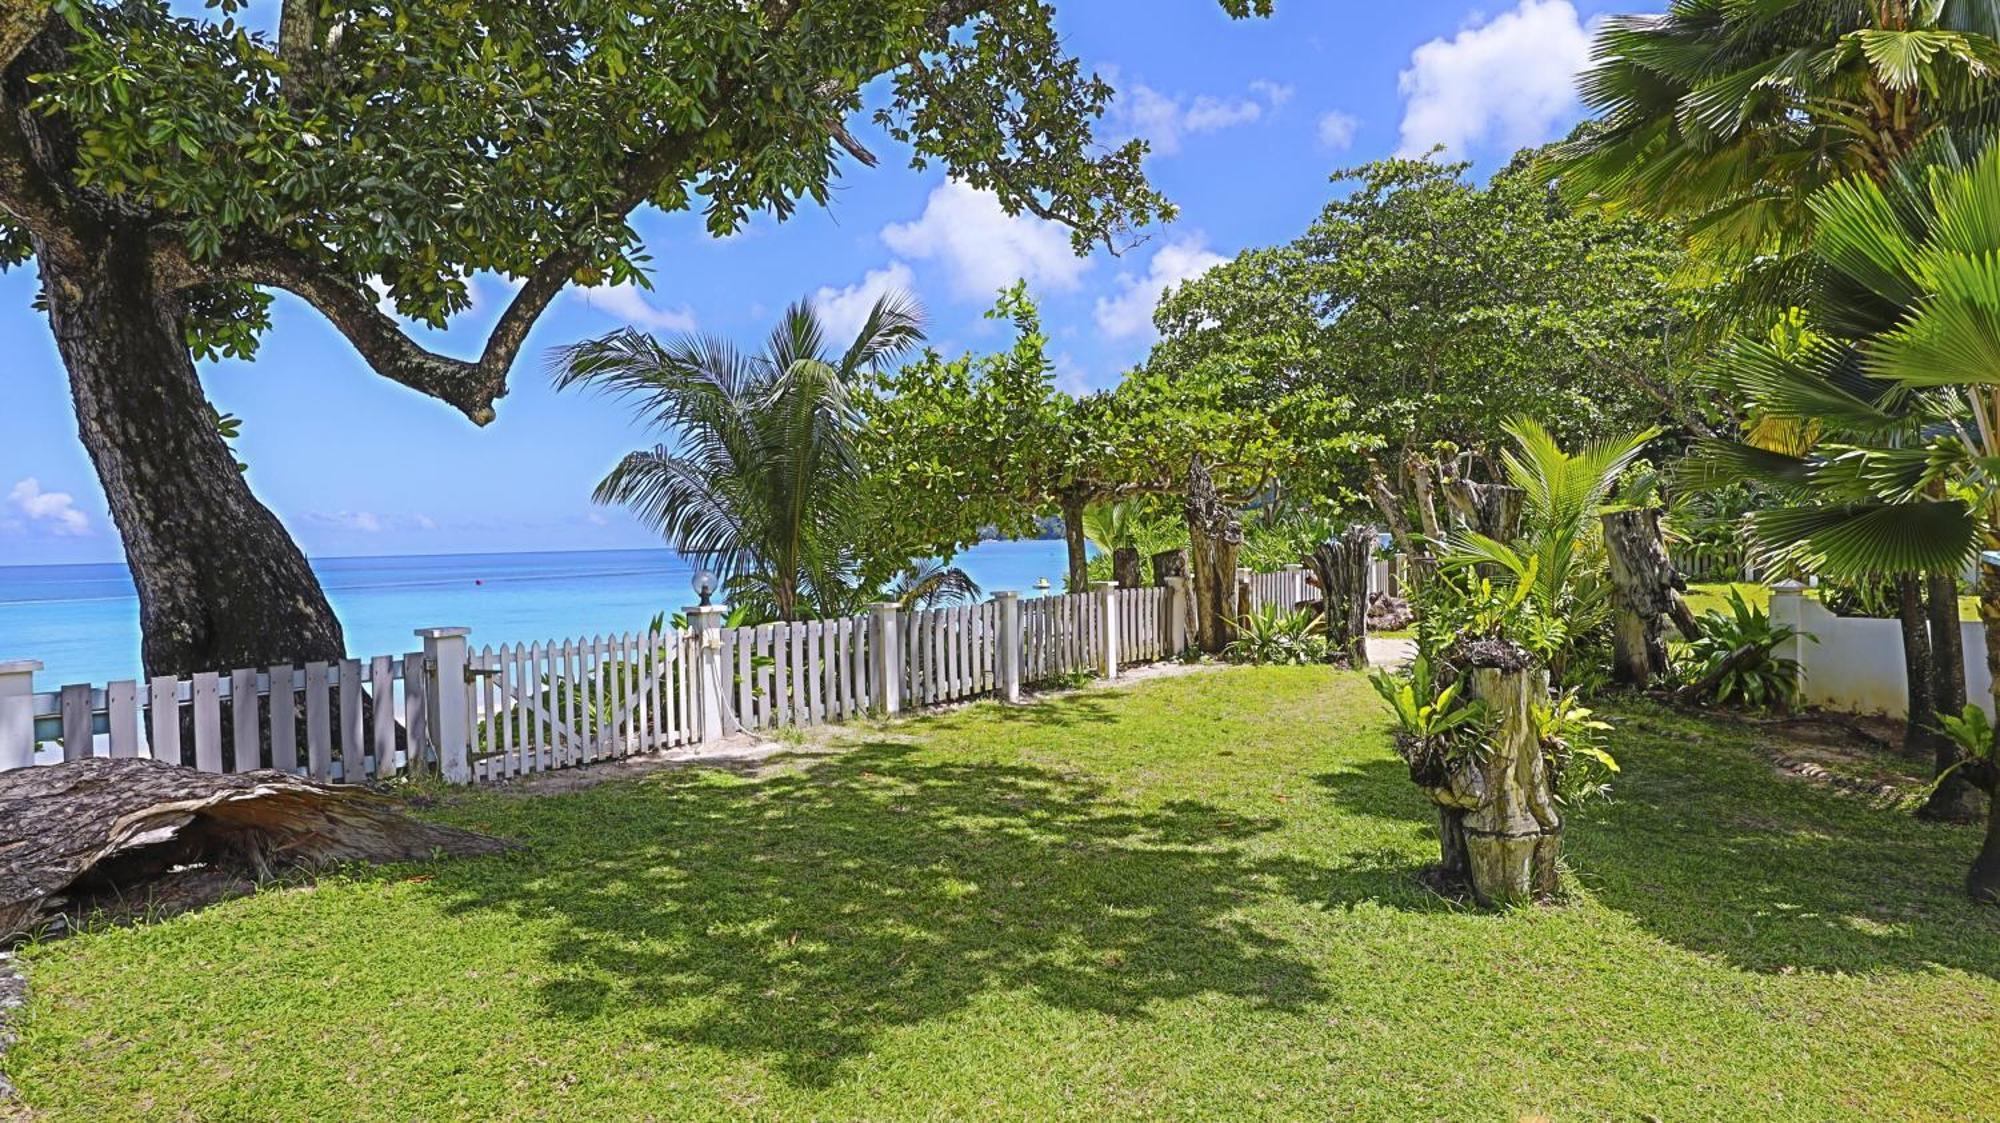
(82,621)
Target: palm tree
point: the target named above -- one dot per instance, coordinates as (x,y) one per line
(1907,281)
(1729,114)
(1559,552)
(763,479)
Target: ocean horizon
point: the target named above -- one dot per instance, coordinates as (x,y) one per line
(82,620)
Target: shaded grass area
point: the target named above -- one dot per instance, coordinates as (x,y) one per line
(1195,898)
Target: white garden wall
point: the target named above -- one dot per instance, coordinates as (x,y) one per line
(1856,666)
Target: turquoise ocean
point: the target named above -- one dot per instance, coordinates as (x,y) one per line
(82,621)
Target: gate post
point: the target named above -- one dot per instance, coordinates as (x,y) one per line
(885,658)
(1007,651)
(17,713)
(1107,648)
(1177,615)
(711,695)
(445,655)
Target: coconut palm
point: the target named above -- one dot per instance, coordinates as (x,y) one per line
(762,479)
(1907,283)
(1730,114)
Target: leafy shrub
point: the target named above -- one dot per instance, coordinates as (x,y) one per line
(1762,679)
(1271,635)
(1271,546)
(1434,728)
(1573,744)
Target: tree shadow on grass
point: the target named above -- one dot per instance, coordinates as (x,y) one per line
(801,916)
(1706,846)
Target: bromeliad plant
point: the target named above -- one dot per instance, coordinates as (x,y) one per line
(1735,659)
(1435,727)
(1272,635)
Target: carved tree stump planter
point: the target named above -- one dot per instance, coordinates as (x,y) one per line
(155,836)
(1499,826)
(1340,568)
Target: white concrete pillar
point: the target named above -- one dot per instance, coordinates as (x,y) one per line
(17,713)
(1177,614)
(711,678)
(1788,610)
(1107,646)
(885,658)
(1007,649)
(450,700)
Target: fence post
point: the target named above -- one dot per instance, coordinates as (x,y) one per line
(1177,614)
(1007,650)
(17,713)
(445,652)
(711,692)
(1107,648)
(885,656)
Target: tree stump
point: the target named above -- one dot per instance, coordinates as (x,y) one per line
(142,833)
(1645,591)
(1340,568)
(1499,827)
(1126,567)
(1215,534)
(1490,509)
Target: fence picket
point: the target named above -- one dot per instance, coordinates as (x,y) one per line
(319,744)
(78,735)
(121,712)
(353,765)
(244,749)
(163,697)
(207,701)
(283,714)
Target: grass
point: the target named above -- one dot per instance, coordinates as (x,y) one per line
(1704,598)
(1196,898)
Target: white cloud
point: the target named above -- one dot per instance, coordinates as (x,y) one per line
(56,508)
(628,302)
(844,309)
(1071,377)
(1511,81)
(1163,120)
(986,248)
(1131,311)
(1336,130)
(423,522)
(1275,93)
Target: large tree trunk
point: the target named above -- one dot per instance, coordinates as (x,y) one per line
(1079,557)
(1955,799)
(137,834)
(1216,535)
(1643,595)
(1490,509)
(220,583)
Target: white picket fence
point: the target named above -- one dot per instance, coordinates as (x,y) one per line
(518,709)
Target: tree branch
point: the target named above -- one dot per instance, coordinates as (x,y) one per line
(20,22)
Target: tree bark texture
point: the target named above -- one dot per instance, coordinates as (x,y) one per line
(1508,825)
(1127,568)
(1422,483)
(1216,536)
(1643,595)
(98,831)
(1340,567)
(1912,621)
(221,585)
(1390,503)
(1956,798)
(1490,509)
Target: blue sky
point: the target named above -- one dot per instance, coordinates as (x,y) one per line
(1247,120)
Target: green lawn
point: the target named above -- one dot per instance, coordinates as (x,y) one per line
(1702,598)
(1196,898)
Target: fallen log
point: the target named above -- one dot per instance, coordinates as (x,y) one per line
(145,834)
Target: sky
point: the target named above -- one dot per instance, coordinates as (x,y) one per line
(1247,122)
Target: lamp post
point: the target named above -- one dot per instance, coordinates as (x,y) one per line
(704,586)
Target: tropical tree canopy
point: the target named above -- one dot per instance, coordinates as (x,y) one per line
(1730,114)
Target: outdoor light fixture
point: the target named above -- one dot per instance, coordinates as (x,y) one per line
(704,586)
(1043,584)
